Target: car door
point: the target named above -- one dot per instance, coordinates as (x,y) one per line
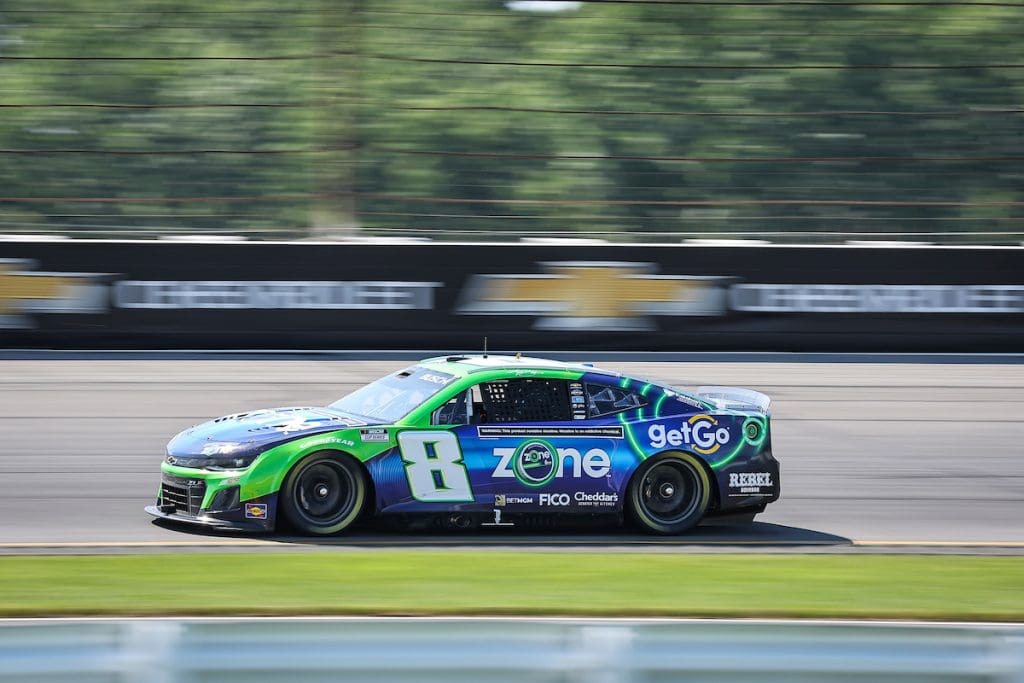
(529,445)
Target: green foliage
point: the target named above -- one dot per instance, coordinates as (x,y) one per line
(402,117)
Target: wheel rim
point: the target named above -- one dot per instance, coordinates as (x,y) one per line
(670,492)
(325,493)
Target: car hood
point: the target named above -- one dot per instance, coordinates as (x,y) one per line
(736,398)
(258,430)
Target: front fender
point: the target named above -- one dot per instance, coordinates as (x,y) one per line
(268,472)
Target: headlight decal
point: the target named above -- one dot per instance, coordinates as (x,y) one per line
(215,463)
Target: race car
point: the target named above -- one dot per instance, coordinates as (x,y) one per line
(480,442)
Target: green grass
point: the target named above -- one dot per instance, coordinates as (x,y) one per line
(416,582)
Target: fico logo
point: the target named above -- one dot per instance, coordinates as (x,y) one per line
(700,431)
(554,499)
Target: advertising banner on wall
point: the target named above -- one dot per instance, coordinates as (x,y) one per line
(449,296)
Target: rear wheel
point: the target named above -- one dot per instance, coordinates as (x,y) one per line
(669,494)
(324,493)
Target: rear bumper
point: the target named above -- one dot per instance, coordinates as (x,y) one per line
(750,485)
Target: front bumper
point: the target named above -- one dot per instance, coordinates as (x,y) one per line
(191,497)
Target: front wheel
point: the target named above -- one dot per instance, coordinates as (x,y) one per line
(324,494)
(669,494)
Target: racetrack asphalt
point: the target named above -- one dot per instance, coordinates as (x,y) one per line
(876,457)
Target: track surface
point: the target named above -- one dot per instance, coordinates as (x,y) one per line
(873,455)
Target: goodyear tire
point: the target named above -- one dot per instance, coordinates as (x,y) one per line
(669,493)
(324,493)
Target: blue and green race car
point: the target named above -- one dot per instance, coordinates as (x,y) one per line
(480,442)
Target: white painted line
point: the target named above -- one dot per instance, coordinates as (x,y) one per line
(940,544)
(469,543)
(756,621)
(139,544)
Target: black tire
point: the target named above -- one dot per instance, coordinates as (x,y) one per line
(323,494)
(669,494)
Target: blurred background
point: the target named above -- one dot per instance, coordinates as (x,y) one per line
(455,119)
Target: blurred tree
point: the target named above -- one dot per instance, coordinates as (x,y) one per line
(632,120)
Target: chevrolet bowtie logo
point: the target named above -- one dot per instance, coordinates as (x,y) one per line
(23,292)
(584,295)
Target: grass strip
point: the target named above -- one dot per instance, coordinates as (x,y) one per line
(500,583)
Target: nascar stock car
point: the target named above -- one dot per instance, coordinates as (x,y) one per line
(480,442)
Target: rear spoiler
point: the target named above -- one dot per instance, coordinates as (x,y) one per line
(735,398)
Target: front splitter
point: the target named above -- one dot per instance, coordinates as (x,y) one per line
(211,522)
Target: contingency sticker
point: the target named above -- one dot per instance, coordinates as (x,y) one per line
(750,483)
(256,510)
(578,401)
(371,435)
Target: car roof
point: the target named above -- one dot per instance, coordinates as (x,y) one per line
(469,364)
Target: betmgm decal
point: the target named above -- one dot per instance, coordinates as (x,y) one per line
(25,291)
(594,296)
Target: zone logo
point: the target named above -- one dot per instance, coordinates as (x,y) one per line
(700,431)
(536,463)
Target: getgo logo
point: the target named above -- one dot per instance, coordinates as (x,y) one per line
(701,432)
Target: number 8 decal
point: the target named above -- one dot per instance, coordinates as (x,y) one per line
(434,468)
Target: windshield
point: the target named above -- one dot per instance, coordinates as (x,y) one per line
(391,398)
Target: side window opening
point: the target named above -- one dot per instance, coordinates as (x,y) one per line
(479,413)
(604,400)
(525,400)
(454,412)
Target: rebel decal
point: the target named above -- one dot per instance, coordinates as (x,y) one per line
(750,483)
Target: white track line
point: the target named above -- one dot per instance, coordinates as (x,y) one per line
(401,543)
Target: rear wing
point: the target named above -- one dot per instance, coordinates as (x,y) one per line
(735,398)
